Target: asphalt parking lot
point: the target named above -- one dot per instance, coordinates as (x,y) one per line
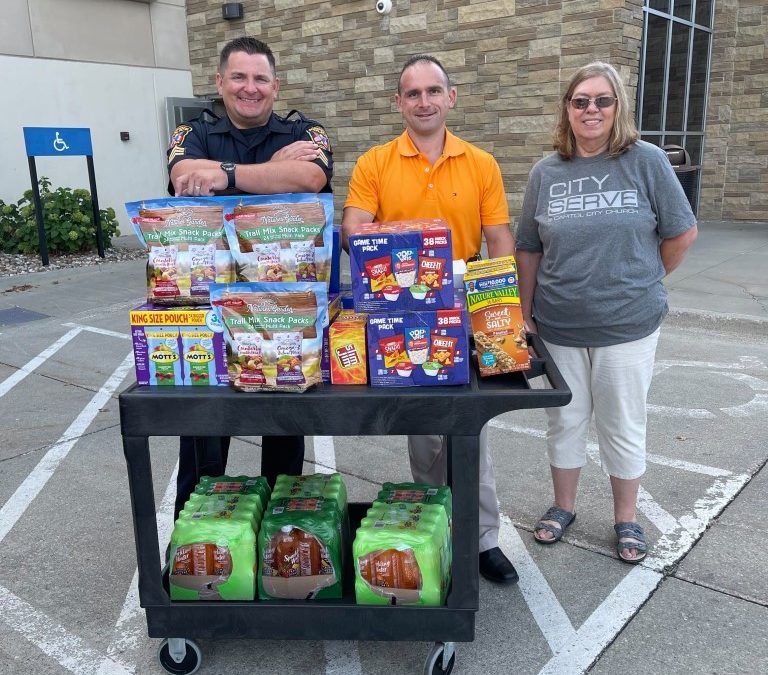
(698,604)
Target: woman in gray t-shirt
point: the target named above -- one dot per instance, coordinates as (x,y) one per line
(604,219)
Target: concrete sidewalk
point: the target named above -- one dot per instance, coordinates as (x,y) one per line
(725,275)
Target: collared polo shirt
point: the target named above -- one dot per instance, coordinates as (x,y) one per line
(464,187)
(222,141)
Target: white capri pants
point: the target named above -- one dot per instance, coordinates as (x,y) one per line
(612,382)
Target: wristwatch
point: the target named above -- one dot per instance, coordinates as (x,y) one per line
(229,169)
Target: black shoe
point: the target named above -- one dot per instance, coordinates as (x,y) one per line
(495,567)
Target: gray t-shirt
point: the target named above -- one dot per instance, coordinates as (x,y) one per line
(598,222)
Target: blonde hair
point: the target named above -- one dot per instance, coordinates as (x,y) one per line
(624,132)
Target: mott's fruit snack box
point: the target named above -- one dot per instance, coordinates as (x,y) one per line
(414,349)
(300,550)
(401,265)
(178,346)
(402,555)
(493,302)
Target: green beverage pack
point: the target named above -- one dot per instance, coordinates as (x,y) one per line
(418,493)
(300,550)
(248,485)
(402,554)
(325,485)
(236,507)
(213,558)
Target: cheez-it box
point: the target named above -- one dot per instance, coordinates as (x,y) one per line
(418,349)
(401,265)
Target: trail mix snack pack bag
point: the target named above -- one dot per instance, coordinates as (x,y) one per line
(281,238)
(401,265)
(187,248)
(416,349)
(273,333)
(493,302)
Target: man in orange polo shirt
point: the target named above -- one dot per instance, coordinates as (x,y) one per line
(427,172)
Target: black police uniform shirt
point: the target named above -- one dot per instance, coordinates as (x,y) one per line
(220,140)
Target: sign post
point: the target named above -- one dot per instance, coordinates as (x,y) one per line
(53,142)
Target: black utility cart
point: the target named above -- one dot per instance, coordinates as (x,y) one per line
(456,411)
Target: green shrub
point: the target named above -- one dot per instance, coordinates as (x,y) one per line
(68,219)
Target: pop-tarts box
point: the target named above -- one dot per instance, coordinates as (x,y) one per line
(178,346)
(401,265)
(334,307)
(418,349)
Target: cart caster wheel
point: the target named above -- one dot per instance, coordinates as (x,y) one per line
(179,656)
(441,659)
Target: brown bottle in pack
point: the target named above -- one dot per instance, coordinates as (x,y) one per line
(222,561)
(182,561)
(384,569)
(309,554)
(202,562)
(287,552)
(410,575)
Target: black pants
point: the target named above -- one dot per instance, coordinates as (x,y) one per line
(279,454)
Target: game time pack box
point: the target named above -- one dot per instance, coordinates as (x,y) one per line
(417,349)
(401,265)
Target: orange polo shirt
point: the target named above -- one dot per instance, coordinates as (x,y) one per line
(464,187)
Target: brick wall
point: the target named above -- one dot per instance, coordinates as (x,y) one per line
(735,171)
(339,61)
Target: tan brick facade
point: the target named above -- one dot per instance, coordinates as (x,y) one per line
(735,172)
(339,62)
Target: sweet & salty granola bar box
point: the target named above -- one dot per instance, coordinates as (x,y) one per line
(493,303)
(401,265)
(418,349)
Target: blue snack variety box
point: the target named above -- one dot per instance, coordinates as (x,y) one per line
(401,265)
(412,349)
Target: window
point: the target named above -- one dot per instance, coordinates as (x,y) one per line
(674,75)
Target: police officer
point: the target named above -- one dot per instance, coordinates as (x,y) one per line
(249,150)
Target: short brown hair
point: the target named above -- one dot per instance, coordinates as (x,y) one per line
(249,45)
(624,132)
(422,58)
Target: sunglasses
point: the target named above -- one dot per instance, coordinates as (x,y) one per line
(582,102)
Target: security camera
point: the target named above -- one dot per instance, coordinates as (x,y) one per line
(384,6)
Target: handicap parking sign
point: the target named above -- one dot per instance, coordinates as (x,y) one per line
(54,141)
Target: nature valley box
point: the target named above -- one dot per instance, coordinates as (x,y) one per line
(178,346)
(493,303)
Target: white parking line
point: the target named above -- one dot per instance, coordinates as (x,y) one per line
(602,626)
(52,639)
(130,628)
(546,609)
(341,656)
(99,331)
(11,381)
(14,508)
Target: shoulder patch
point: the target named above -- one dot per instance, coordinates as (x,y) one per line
(178,136)
(319,137)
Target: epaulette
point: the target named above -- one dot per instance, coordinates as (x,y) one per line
(296,112)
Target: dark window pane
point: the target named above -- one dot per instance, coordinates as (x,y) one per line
(678,66)
(651,139)
(661,5)
(693,146)
(704,12)
(673,140)
(653,80)
(683,9)
(698,80)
